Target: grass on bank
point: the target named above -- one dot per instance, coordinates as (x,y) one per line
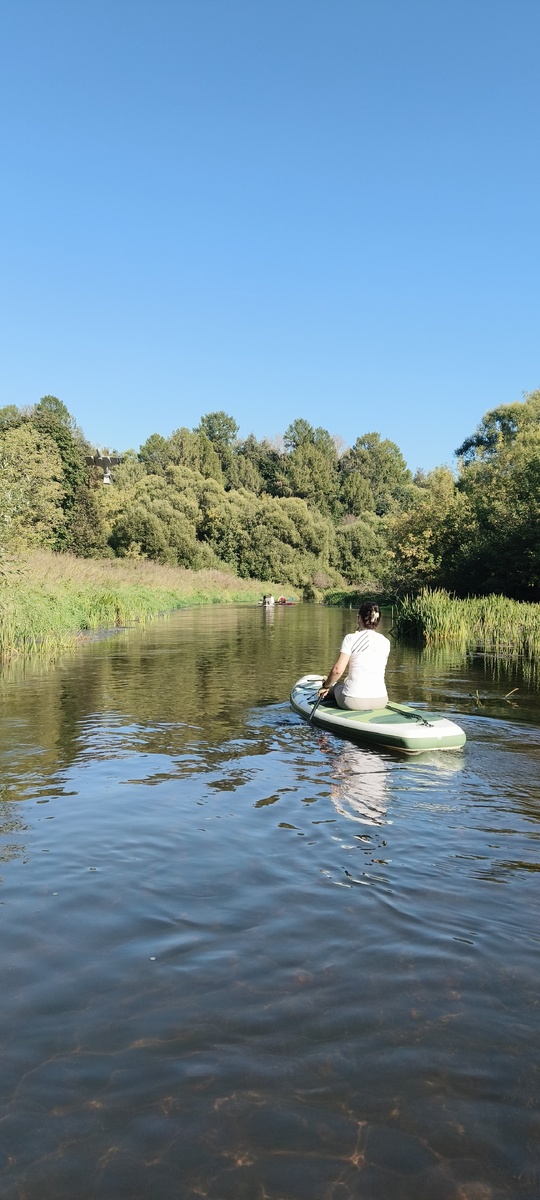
(47,601)
(493,624)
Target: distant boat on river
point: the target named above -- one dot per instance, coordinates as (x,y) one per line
(270,601)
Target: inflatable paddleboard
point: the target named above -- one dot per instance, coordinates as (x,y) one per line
(396,727)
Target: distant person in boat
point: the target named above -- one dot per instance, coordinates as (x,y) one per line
(365,654)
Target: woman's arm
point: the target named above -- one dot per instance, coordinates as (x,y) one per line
(338,668)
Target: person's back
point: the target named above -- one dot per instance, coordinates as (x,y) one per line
(368,652)
(364,656)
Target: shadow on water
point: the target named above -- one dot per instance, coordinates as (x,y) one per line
(245,958)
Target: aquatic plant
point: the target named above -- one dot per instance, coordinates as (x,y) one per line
(493,624)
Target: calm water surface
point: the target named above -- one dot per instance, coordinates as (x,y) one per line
(245,960)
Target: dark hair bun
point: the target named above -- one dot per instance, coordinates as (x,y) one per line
(370,614)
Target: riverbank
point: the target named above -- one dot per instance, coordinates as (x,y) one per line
(493,624)
(350,597)
(50,601)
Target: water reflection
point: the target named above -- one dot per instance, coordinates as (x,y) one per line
(243,958)
(12,825)
(359,785)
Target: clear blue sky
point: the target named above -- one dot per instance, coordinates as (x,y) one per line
(280,208)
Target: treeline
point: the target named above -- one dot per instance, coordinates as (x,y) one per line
(301,510)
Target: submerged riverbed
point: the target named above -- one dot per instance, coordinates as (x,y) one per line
(242,958)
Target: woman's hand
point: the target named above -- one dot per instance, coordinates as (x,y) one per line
(323,692)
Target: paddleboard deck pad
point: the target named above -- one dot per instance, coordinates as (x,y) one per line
(396,727)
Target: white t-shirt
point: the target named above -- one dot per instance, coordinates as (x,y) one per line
(368,652)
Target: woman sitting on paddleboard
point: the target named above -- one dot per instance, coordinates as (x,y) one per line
(365,653)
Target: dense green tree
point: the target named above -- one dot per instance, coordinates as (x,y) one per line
(242,473)
(220,429)
(31,491)
(362,552)
(272,469)
(51,416)
(185,485)
(312,474)
(252,449)
(184,447)
(86,533)
(170,503)
(298,433)
(138,533)
(499,428)
(53,410)
(262,467)
(196,521)
(129,471)
(279,539)
(355,493)
(10,416)
(494,542)
(154,453)
(416,536)
(381,464)
(496,545)
(311,466)
(195,450)
(315,533)
(210,465)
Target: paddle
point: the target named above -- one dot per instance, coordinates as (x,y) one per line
(314,708)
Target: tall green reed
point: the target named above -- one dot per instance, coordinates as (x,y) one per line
(493,624)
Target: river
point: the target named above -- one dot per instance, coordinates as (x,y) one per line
(243,959)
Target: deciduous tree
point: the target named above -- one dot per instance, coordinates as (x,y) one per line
(31,491)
